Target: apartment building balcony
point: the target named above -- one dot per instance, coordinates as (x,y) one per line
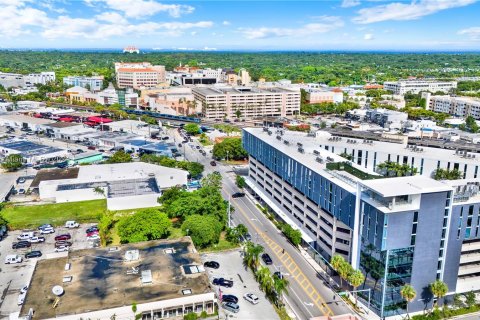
(468,269)
(470,257)
(471,246)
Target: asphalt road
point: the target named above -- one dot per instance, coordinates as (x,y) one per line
(307,296)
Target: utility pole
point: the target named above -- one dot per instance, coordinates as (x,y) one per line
(228,212)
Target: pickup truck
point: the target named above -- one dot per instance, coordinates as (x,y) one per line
(36,239)
(26,236)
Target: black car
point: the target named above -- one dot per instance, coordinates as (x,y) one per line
(212,264)
(91,229)
(278,274)
(62,243)
(247,237)
(229,298)
(266,258)
(238,195)
(223,282)
(33,254)
(21,244)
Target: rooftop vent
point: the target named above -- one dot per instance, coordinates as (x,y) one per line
(132,255)
(186,292)
(169,251)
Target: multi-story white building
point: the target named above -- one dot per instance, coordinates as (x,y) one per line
(94,83)
(40,78)
(401,87)
(324,95)
(457,106)
(139,75)
(109,96)
(246,102)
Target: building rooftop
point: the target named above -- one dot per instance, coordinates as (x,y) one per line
(110,277)
(390,187)
(25,119)
(240,90)
(64,124)
(28,149)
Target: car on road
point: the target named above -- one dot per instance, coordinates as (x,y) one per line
(33,254)
(198,147)
(62,243)
(250,297)
(238,195)
(80,151)
(232,307)
(65,236)
(91,229)
(62,249)
(91,147)
(223,282)
(36,239)
(47,230)
(21,245)
(213,163)
(212,264)
(229,298)
(266,258)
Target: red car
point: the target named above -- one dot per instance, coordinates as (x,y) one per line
(92,233)
(65,236)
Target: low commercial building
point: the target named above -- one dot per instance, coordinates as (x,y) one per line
(93,83)
(401,87)
(32,153)
(138,75)
(85,158)
(19,121)
(247,103)
(165,279)
(386,118)
(68,130)
(124,185)
(8,80)
(40,78)
(136,127)
(324,95)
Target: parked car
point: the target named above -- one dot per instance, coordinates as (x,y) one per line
(65,236)
(212,264)
(198,147)
(91,229)
(91,234)
(21,180)
(62,249)
(247,237)
(93,237)
(26,235)
(91,147)
(62,244)
(21,191)
(232,307)
(223,282)
(24,289)
(13,258)
(33,254)
(47,230)
(21,245)
(278,274)
(266,258)
(21,298)
(71,224)
(213,163)
(43,226)
(229,298)
(36,239)
(250,297)
(238,195)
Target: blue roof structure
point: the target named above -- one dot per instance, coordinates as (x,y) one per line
(28,149)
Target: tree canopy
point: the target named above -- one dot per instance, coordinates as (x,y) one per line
(204,230)
(119,157)
(12,162)
(144,225)
(194,168)
(231,148)
(192,128)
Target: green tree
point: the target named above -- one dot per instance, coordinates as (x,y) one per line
(144,225)
(265,279)
(470,299)
(192,129)
(235,234)
(251,255)
(240,181)
(356,278)
(230,148)
(294,235)
(280,286)
(119,157)
(341,266)
(12,162)
(204,230)
(408,293)
(439,289)
(238,113)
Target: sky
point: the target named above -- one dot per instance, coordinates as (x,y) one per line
(351,25)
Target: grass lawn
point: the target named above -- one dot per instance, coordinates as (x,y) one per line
(222,245)
(21,217)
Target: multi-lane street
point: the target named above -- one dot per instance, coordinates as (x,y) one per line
(308,296)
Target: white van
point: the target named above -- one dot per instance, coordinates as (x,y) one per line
(13,258)
(26,235)
(71,224)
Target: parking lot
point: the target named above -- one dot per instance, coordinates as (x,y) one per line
(14,276)
(231,268)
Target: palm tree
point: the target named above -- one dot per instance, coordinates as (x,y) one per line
(439,289)
(337,262)
(356,278)
(408,293)
(265,279)
(251,255)
(281,286)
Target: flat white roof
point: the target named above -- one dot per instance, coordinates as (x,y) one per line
(26,119)
(390,187)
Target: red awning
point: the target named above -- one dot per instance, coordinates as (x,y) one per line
(99,120)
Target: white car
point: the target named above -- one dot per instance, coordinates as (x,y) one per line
(26,236)
(36,239)
(62,249)
(250,297)
(24,289)
(94,237)
(21,298)
(13,258)
(47,230)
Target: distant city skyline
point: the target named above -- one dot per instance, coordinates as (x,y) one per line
(348,25)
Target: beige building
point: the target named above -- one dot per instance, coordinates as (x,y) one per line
(246,103)
(457,106)
(139,75)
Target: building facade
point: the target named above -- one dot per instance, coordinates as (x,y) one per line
(93,83)
(139,75)
(247,103)
(40,78)
(416,86)
(397,231)
(456,106)
(322,95)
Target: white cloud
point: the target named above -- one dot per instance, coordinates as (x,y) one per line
(368,36)
(111,17)
(324,24)
(16,19)
(226,23)
(406,11)
(50,5)
(193,33)
(350,3)
(473,32)
(145,8)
